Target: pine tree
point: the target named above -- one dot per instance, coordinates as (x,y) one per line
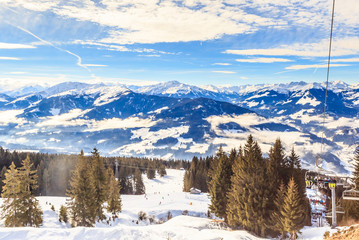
(293,160)
(162,171)
(11,205)
(277,217)
(20,207)
(277,165)
(248,197)
(220,185)
(114,197)
(356,168)
(151,171)
(63,214)
(138,182)
(293,211)
(32,214)
(99,178)
(82,194)
(277,173)
(2,176)
(352,207)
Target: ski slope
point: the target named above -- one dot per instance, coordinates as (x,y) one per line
(162,195)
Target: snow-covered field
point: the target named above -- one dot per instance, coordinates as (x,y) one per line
(163,195)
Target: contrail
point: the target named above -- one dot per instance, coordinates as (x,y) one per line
(79,59)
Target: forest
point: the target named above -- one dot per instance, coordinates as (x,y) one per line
(54,170)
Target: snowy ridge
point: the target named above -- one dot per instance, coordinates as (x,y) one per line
(180,121)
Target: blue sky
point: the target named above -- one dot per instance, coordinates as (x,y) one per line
(220,42)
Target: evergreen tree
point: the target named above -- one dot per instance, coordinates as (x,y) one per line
(82,194)
(138,182)
(293,160)
(63,214)
(20,207)
(248,197)
(114,198)
(125,176)
(2,177)
(11,206)
(277,165)
(151,170)
(277,174)
(30,208)
(352,207)
(277,217)
(293,211)
(356,168)
(295,171)
(220,185)
(162,170)
(99,178)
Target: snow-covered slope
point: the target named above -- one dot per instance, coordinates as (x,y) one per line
(163,195)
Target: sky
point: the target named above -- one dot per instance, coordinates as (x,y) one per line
(200,42)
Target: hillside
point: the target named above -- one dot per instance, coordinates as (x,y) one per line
(189,218)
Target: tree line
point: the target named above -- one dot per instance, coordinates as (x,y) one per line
(266,196)
(89,182)
(54,170)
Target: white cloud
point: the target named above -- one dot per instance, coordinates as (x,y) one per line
(300,67)
(150,55)
(9,58)
(222,64)
(95,65)
(263,60)
(35,5)
(341,47)
(225,72)
(345,60)
(14,46)
(116,123)
(16,73)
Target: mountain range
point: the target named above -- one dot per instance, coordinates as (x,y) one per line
(173,120)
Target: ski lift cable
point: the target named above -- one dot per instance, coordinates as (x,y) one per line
(327,83)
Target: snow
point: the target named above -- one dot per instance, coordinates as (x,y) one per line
(162,195)
(148,139)
(307,100)
(108,94)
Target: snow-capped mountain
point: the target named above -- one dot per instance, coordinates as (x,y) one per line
(175,120)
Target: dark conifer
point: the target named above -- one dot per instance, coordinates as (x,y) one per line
(11,206)
(138,182)
(293,160)
(20,207)
(356,168)
(82,194)
(277,217)
(151,170)
(248,197)
(220,185)
(63,214)
(162,170)
(99,177)
(32,214)
(114,205)
(293,212)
